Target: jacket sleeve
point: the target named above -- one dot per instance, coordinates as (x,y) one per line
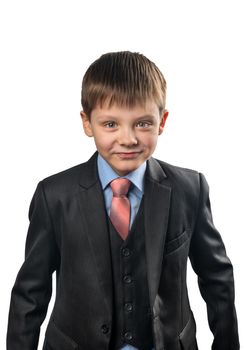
(33,286)
(215,275)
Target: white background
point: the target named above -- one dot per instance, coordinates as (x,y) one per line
(46,46)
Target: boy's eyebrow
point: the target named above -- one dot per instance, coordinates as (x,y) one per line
(151,116)
(146,116)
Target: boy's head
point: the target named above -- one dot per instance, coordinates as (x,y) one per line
(123,78)
(123,99)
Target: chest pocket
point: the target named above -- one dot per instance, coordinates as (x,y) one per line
(177,242)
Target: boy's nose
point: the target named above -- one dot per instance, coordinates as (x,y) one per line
(127,138)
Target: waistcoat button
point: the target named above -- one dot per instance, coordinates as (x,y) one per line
(105,328)
(128,336)
(126,252)
(127,279)
(128,307)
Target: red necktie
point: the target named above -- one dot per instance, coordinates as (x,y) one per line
(120,207)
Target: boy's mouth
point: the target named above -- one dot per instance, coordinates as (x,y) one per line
(128,155)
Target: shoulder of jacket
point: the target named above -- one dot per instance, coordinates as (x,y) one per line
(183,179)
(167,167)
(66,174)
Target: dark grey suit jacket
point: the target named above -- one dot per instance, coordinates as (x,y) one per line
(68,234)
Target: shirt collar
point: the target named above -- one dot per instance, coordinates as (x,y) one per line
(107,174)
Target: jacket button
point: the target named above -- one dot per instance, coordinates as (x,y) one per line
(128,307)
(127,279)
(128,336)
(105,328)
(126,252)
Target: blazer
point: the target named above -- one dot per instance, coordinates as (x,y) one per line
(68,234)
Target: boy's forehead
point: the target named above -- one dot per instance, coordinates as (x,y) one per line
(148,107)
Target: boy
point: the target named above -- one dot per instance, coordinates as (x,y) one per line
(118,230)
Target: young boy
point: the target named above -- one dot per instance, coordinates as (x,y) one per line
(118,231)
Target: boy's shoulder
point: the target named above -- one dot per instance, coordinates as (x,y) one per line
(185,178)
(65,175)
(70,177)
(172,170)
(175,168)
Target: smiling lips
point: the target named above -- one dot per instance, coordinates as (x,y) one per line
(128,155)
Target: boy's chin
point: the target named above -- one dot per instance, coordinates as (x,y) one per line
(126,169)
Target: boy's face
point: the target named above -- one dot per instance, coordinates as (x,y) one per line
(125,137)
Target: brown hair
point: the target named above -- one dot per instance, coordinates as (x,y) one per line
(125,78)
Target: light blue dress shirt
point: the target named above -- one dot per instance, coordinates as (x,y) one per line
(106,175)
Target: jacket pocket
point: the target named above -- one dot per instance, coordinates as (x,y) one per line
(188,336)
(57,340)
(177,242)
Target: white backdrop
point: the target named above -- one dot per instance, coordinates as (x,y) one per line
(46,46)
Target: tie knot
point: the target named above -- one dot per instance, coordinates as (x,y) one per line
(120,187)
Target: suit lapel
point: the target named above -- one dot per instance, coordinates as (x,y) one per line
(94,214)
(157,203)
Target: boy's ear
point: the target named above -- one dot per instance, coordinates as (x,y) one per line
(86,124)
(164,117)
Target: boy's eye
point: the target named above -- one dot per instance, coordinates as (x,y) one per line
(143,124)
(110,125)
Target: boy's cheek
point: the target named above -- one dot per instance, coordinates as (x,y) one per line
(102,140)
